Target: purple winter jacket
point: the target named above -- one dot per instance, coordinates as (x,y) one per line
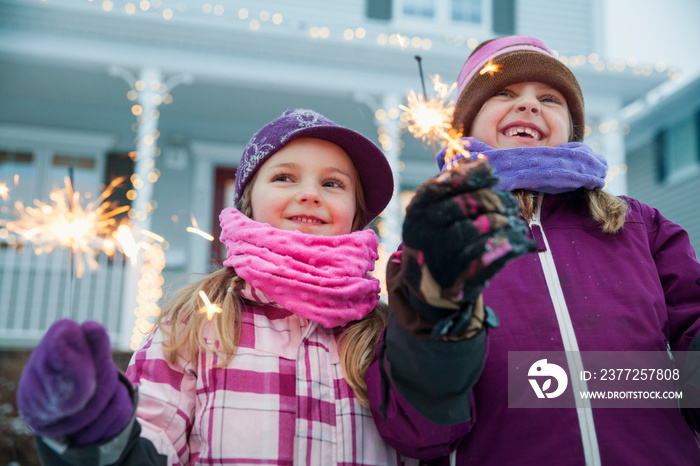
(638,290)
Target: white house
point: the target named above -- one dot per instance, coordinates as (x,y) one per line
(185,83)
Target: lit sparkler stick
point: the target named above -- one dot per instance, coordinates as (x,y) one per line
(422,80)
(4,190)
(86,230)
(430,118)
(69,187)
(195,229)
(209,308)
(455,146)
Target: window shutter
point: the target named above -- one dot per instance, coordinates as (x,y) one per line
(379,9)
(503,14)
(661,163)
(697,133)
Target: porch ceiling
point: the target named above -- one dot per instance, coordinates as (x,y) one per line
(55,60)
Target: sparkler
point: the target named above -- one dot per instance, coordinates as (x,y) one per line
(455,147)
(209,308)
(66,223)
(4,190)
(429,118)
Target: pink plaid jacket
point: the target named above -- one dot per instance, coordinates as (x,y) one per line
(281,401)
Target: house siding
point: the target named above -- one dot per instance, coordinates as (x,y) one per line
(566,23)
(677,197)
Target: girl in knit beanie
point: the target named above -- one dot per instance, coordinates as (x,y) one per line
(488,355)
(273,373)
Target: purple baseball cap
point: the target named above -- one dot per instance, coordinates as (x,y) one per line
(375,173)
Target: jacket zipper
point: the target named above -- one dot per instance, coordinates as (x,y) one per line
(573,356)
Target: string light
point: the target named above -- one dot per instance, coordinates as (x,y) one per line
(149,253)
(403,42)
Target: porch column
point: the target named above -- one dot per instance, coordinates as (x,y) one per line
(151,92)
(613,148)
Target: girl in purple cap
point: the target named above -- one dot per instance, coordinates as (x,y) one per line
(275,373)
(609,274)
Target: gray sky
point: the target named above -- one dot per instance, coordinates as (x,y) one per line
(655,31)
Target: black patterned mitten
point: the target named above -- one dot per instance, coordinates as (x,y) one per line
(458,233)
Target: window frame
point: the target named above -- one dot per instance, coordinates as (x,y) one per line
(666,173)
(45,143)
(443,19)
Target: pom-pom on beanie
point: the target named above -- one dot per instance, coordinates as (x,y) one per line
(498,63)
(372,167)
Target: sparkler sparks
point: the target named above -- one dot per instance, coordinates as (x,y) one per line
(4,190)
(457,147)
(491,68)
(429,118)
(195,229)
(209,308)
(66,223)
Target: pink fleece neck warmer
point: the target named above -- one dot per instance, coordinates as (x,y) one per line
(321,278)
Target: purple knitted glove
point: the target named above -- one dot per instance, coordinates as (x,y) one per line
(70,389)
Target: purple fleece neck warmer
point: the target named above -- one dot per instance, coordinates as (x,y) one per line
(547,169)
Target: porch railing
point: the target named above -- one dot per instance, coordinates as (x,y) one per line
(35,291)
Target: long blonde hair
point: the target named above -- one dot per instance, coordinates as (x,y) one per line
(185,331)
(606,209)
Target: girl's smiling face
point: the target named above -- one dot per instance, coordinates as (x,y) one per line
(309,185)
(527,114)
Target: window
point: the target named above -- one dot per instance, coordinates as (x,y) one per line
(36,161)
(84,176)
(466,10)
(454,14)
(379,9)
(503,17)
(16,175)
(419,8)
(119,164)
(224,187)
(679,149)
